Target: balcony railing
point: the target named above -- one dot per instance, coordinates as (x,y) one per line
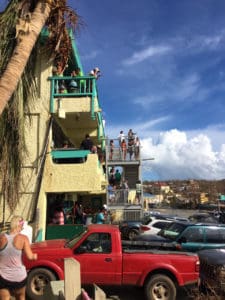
(122,197)
(69,155)
(73,87)
(119,154)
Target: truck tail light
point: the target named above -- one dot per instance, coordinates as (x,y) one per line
(145,228)
(178,246)
(197,266)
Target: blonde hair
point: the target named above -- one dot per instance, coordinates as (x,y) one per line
(15,222)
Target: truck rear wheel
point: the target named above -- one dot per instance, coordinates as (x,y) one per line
(160,287)
(37,280)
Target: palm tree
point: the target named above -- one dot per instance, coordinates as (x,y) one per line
(17,59)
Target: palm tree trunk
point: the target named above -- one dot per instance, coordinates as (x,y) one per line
(21,54)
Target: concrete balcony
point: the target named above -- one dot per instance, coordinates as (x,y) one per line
(73,172)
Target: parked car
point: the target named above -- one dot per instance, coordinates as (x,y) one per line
(204,217)
(212,272)
(130,229)
(154,226)
(190,236)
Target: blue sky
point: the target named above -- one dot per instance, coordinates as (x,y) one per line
(163,75)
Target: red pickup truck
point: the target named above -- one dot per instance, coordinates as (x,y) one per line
(104,260)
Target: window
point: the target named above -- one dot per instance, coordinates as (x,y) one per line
(213,235)
(161,224)
(194,234)
(97,243)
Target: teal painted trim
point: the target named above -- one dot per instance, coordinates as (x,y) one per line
(94,95)
(75,51)
(69,153)
(101,130)
(39,237)
(52,96)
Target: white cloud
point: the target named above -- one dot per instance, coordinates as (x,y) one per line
(178,157)
(144,54)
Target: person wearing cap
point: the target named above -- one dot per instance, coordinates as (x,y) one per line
(73,86)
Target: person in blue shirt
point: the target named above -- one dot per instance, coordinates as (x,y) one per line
(100,219)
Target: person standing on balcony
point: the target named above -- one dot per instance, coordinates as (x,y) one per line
(117,178)
(95,72)
(112,176)
(130,135)
(125,188)
(138,191)
(137,145)
(81,83)
(124,149)
(121,137)
(87,143)
(111,193)
(111,149)
(130,148)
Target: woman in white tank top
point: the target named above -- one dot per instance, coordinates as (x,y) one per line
(13,275)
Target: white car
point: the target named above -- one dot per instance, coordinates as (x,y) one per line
(154,226)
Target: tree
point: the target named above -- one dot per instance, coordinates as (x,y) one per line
(21,24)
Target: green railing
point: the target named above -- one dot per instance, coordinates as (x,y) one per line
(69,153)
(82,86)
